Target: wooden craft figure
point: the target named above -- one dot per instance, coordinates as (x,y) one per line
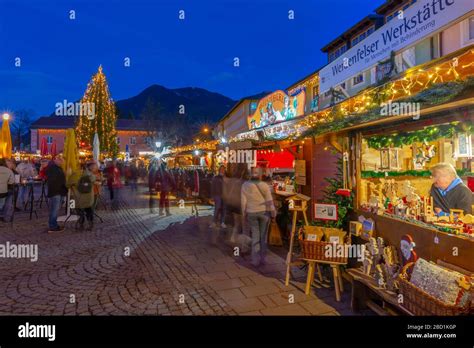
(380,277)
(407,247)
(413,200)
(464,283)
(391,273)
(375,200)
(428,210)
(430,151)
(367,262)
(468,221)
(391,267)
(390,190)
(390,256)
(380,246)
(373,249)
(400,208)
(455,214)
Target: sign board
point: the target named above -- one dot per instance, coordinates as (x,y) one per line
(300,172)
(420,20)
(325,211)
(277,107)
(281,130)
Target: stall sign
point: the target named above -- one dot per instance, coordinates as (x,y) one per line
(325,211)
(281,131)
(420,20)
(277,107)
(300,172)
(251,135)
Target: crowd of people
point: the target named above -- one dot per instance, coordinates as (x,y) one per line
(242,199)
(249,200)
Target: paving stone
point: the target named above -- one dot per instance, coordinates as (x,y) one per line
(168,257)
(291,309)
(231,294)
(258,290)
(246,305)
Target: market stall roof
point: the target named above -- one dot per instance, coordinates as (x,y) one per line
(446,86)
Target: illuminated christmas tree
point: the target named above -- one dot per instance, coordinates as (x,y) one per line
(98,115)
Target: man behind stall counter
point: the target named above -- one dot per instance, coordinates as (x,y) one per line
(448,190)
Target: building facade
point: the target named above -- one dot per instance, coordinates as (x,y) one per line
(397,37)
(131,133)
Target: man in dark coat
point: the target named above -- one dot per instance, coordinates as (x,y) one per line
(56,183)
(167,185)
(217,193)
(448,190)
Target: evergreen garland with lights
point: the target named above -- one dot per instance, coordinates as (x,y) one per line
(370,174)
(427,134)
(105,117)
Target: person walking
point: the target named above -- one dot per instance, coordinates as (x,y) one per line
(217,192)
(94,170)
(259,209)
(232,199)
(133,177)
(7,180)
(167,185)
(82,185)
(113,182)
(56,185)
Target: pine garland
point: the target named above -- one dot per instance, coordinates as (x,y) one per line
(370,174)
(427,134)
(436,94)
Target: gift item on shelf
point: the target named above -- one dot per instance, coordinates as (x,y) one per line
(355,228)
(368,227)
(429,289)
(391,267)
(381,262)
(407,247)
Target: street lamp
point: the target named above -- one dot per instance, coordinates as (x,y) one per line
(197,152)
(6,116)
(205,130)
(158,144)
(223,140)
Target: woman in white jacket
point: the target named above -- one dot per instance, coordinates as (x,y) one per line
(258,207)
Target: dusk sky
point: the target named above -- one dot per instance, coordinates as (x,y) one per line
(59,55)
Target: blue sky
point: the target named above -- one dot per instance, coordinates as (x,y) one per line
(59,55)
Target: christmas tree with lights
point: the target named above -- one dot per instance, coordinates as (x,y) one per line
(98,115)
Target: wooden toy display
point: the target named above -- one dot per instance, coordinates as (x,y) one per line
(384,200)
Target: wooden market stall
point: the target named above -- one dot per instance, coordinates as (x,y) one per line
(388,138)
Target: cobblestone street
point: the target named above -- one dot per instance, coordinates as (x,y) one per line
(137,263)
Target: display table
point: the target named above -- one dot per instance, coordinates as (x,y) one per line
(366,293)
(336,270)
(431,244)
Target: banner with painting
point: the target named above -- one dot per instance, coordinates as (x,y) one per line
(277,107)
